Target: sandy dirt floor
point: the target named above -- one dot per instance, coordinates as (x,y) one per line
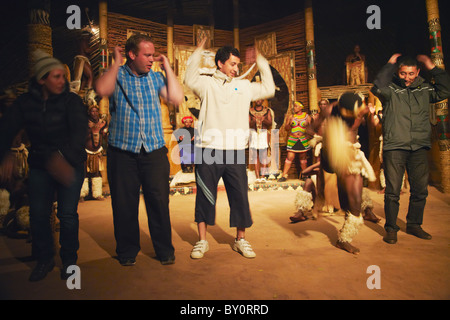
(294,261)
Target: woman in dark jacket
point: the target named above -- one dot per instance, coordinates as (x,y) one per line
(56,123)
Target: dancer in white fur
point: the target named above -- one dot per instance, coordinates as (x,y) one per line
(326,192)
(341,154)
(327,199)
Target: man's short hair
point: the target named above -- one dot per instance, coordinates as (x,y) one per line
(133,42)
(223,54)
(407,61)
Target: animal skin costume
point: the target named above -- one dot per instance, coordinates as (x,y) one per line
(94,163)
(342,154)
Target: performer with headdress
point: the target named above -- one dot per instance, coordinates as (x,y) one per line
(341,154)
(83,77)
(298,142)
(261,121)
(185,138)
(97,131)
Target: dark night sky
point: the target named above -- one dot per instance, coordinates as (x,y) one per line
(339,24)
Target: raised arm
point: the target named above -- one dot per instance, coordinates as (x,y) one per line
(106,84)
(384,77)
(266,88)
(441,79)
(192,77)
(173,91)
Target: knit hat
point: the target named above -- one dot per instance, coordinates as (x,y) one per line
(44,63)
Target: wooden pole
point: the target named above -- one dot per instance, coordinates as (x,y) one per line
(103,35)
(441,126)
(103,48)
(236,23)
(310,58)
(167,109)
(170,33)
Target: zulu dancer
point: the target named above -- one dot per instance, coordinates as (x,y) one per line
(341,154)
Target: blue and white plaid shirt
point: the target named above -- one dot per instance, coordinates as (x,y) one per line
(138,124)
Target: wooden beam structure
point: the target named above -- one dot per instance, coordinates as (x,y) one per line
(236,23)
(440,116)
(311,58)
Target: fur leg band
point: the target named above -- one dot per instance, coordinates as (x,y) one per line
(366,200)
(97,191)
(351,227)
(23,217)
(303,201)
(84,188)
(4,202)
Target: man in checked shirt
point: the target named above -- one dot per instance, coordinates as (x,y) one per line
(137,156)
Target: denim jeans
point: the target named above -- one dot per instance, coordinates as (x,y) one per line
(42,191)
(416,165)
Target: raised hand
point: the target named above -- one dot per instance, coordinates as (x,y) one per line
(426,61)
(393,58)
(163,60)
(118,58)
(201,44)
(250,55)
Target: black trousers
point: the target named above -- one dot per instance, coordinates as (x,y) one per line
(127,172)
(234,175)
(416,165)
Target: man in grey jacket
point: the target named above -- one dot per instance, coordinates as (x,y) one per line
(407,135)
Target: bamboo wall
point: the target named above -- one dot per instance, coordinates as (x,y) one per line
(118,24)
(183,35)
(290,36)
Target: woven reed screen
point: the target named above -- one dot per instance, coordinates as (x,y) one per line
(118,24)
(290,36)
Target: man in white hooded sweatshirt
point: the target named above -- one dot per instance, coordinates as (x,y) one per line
(221,139)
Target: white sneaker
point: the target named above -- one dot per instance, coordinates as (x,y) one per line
(199,249)
(243,247)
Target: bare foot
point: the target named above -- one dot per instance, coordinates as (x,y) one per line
(347,247)
(298,217)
